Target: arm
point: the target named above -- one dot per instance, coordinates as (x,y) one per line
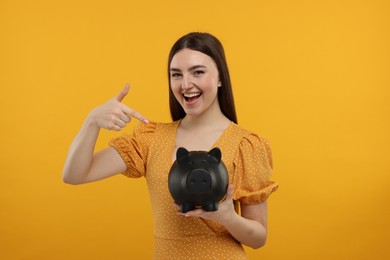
(249,229)
(82,165)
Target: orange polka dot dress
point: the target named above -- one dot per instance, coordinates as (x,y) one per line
(148,152)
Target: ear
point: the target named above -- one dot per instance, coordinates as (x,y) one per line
(216,153)
(219,83)
(181,154)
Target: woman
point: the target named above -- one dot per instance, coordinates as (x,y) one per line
(203,113)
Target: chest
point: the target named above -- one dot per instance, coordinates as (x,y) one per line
(162,154)
(195,141)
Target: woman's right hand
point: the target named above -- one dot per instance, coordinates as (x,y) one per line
(114,115)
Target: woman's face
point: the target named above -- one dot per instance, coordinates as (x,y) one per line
(194,81)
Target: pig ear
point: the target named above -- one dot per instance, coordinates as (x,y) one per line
(181,153)
(216,153)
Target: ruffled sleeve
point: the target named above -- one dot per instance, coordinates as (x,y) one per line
(252,184)
(134,147)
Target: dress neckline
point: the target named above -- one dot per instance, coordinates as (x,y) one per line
(174,132)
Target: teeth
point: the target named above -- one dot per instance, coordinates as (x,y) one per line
(191,95)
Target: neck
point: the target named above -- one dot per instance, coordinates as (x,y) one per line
(213,117)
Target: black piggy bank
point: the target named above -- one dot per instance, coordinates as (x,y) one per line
(198,179)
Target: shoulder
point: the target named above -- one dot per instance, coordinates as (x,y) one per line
(248,137)
(252,145)
(154,128)
(160,128)
(142,127)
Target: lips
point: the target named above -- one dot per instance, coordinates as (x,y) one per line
(191,97)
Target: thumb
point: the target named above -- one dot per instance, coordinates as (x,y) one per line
(123,93)
(229,193)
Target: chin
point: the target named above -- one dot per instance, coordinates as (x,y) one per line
(193,112)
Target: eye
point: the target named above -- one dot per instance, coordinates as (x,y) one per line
(175,75)
(198,72)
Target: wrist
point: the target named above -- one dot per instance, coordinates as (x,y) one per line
(91,122)
(230,219)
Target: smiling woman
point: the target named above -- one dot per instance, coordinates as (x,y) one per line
(189,97)
(194,81)
(207,49)
(204,117)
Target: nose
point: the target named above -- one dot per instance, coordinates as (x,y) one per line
(186,83)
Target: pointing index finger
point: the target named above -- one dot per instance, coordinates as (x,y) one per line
(139,117)
(135,114)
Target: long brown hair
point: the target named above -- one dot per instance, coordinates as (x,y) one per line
(211,46)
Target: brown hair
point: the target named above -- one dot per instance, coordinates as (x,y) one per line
(211,46)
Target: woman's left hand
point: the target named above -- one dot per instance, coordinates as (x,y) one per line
(224,213)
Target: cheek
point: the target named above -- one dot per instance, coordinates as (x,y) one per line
(174,86)
(210,84)
(210,81)
(176,89)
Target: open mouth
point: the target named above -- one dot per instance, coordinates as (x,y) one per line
(191,97)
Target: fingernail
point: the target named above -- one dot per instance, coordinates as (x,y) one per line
(146,121)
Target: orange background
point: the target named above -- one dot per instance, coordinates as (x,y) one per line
(310,76)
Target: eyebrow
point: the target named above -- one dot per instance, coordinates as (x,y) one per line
(191,68)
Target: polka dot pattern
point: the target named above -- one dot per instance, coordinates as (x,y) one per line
(148,153)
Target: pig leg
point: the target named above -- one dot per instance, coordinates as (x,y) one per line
(186,207)
(210,206)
